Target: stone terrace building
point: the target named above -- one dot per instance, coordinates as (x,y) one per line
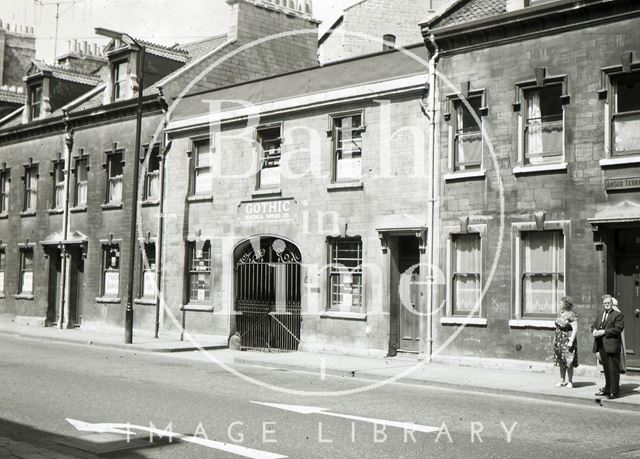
(295,204)
(66,168)
(539,172)
(17,48)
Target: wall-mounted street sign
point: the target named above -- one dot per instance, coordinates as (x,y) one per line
(267,211)
(627,183)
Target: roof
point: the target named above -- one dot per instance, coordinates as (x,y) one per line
(62,73)
(463,11)
(12,95)
(199,48)
(168,52)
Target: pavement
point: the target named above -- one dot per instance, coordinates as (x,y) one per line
(406,369)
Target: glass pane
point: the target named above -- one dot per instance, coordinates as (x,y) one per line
(1,281)
(270,177)
(81,170)
(115,165)
(544,252)
(112,260)
(27,259)
(111,283)
(541,293)
(27,282)
(81,194)
(468,151)
(115,189)
(626,133)
(148,284)
(467,254)
(59,196)
(347,169)
(627,92)
(203,181)
(464,118)
(466,293)
(153,185)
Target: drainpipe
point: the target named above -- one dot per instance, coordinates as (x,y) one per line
(160,233)
(63,320)
(435,53)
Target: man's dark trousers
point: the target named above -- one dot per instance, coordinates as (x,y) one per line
(611,367)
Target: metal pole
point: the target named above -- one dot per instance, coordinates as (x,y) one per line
(128,320)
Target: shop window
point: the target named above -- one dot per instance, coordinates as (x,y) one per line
(81,179)
(5,188)
(35,97)
(3,267)
(110,271)
(152,177)
(347,147)
(30,188)
(120,79)
(466,139)
(270,140)
(25,284)
(202,158)
(543,130)
(114,169)
(345,275)
(148,272)
(466,283)
(199,271)
(541,272)
(58,184)
(625,117)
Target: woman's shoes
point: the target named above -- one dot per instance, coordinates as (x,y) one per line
(561,384)
(569,385)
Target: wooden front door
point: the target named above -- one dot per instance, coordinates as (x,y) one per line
(628,294)
(406,291)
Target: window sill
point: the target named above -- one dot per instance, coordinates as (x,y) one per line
(341,186)
(150,203)
(194,307)
(455,176)
(23,296)
(344,315)
(4,216)
(624,161)
(111,206)
(28,213)
(555,167)
(266,193)
(111,300)
(55,211)
(480,321)
(76,210)
(532,323)
(200,198)
(145,301)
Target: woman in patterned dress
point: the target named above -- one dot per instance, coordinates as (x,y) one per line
(565,344)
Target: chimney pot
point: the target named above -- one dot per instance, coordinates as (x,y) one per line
(75,45)
(95,49)
(84,47)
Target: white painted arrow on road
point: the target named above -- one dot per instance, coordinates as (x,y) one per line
(301,409)
(126,429)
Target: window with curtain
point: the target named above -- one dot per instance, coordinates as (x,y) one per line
(80,175)
(36,101)
(148,272)
(58,184)
(626,114)
(2,269)
(466,268)
(543,126)
(347,147)
(25,286)
(467,134)
(5,188)
(120,79)
(542,272)
(30,187)
(114,178)
(345,275)
(152,177)
(202,162)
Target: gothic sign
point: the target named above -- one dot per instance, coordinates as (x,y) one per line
(267,211)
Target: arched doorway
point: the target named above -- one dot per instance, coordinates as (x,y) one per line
(267,294)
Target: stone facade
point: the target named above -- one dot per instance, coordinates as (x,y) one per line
(17,48)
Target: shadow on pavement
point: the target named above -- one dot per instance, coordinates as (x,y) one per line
(21,440)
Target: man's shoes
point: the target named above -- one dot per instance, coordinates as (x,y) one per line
(602,393)
(611,397)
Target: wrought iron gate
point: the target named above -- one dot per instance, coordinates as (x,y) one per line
(268,295)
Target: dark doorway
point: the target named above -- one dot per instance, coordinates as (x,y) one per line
(404,300)
(627,289)
(53,290)
(76,280)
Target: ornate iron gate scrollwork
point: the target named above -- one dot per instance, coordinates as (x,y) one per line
(268,295)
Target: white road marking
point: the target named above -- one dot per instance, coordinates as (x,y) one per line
(227,447)
(301,409)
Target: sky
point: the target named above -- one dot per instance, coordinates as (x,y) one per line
(161,21)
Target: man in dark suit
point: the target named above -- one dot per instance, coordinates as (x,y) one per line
(607,333)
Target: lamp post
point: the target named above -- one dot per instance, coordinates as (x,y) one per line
(128,318)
